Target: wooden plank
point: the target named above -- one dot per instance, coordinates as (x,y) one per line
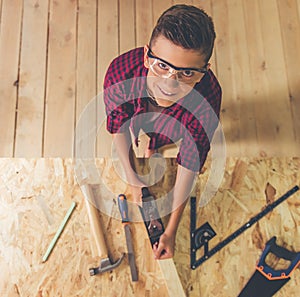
(207,7)
(61,71)
(298,5)
(280,108)
(266,135)
(242,82)
(172,280)
(108,34)
(0,14)
(108,49)
(230,108)
(158,8)
(86,54)
(290,32)
(30,116)
(167,266)
(11,20)
(86,76)
(182,2)
(127,25)
(144,22)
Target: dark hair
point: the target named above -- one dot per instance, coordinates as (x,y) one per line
(186,26)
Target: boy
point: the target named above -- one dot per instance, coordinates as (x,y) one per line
(172,95)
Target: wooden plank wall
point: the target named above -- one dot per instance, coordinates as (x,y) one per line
(53,57)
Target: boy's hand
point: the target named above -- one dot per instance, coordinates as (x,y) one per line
(165,248)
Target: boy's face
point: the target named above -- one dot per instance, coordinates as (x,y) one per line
(165,84)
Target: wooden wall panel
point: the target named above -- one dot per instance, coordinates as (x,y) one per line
(230,108)
(0,12)
(260,93)
(189,2)
(276,72)
(31,95)
(255,58)
(86,72)
(144,22)
(108,37)
(61,77)
(290,32)
(127,35)
(86,78)
(11,23)
(108,48)
(207,7)
(242,85)
(158,8)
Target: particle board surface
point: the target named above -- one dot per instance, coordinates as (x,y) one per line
(36,193)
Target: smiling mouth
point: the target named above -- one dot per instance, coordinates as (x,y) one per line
(169,94)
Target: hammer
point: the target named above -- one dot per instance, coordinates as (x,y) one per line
(105,263)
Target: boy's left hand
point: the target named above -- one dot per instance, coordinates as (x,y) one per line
(165,248)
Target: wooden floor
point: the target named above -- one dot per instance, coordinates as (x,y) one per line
(53,56)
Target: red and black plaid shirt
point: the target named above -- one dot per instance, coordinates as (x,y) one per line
(193,119)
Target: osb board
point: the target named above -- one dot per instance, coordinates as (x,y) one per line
(35,195)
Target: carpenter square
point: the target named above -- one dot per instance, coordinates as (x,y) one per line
(201,236)
(123,207)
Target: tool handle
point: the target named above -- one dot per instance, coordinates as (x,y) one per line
(123,207)
(95,223)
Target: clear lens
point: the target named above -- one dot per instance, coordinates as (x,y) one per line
(161,69)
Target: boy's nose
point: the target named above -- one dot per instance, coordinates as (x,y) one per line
(172,82)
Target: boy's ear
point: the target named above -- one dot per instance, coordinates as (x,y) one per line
(146,48)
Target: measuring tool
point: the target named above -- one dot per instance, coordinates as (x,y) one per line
(201,236)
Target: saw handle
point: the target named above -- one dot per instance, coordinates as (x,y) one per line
(123,207)
(95,223)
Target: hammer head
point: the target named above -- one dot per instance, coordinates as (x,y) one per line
(105,265)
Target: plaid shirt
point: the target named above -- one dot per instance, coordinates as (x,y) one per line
(192,119)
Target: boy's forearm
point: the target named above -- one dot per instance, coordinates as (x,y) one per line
(174,219)
(183,186)
(122,143)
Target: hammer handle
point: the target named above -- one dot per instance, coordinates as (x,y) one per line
(94,221)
